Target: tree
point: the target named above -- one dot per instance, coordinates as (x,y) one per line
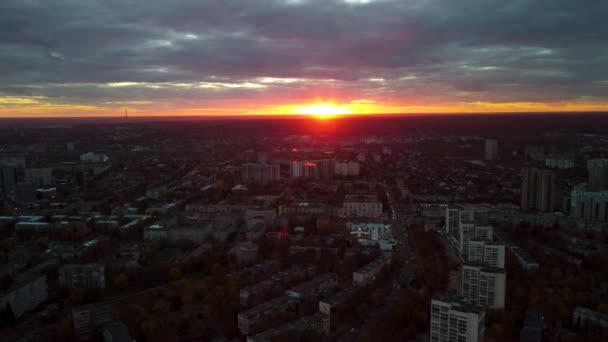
(65,329)
(75,298)
(161,306)
(7,281)
(174,273)
(7,316)
(121,281)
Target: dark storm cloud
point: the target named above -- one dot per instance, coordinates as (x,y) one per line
(490,50)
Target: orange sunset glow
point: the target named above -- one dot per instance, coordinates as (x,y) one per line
(42,107)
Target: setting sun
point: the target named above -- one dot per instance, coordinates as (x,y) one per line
(323,110)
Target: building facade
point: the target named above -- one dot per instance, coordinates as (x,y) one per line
(468,231)
(369,230)
(347,169)
(27,292)
(598,174)
(483,285)
(260,173)
(486,252)
(304,169)
(362,206)
(589,205)
(538,189)
(87,276)
(8,179)
(455,321)
(39,176)
(368,273)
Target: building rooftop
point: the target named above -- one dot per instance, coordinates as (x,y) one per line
(257,227)
(381,260)
(361,199)
(118,331)
(300,324)
(30,275)
(33,224)
(484,267)
(458,304)
(533,326)
(523,254)
(360,220)
(340,297)
(313,283)
(265,306)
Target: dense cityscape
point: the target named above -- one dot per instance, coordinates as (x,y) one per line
(303,170)
(368,229)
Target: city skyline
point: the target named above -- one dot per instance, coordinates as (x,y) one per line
(294,57)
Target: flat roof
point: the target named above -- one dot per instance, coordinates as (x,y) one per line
(340,297)
(28,223)
(314,282)
(361,199)
(458,304)
(264,306)
(381,260)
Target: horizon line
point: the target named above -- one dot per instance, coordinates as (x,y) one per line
(292,116)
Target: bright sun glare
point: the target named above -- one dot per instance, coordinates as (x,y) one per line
(323,110)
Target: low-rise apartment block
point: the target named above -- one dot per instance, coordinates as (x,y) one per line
(87,276)
(368,273)
(28,290)
(362,206)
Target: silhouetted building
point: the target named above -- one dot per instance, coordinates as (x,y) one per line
(304,169)
(538,189)
(327,168)
(345,169)
(262,157)
(598,174)
(39,176)
(8,179)
(491,149)
(260,173)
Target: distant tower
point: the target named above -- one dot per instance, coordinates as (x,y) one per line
(598,174)
(491,149)
(538,189)
(126,114)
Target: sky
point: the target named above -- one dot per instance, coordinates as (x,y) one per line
(231,57)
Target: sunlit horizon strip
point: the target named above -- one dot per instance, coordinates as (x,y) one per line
(34,107)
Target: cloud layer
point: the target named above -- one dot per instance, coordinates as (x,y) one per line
(219,56)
